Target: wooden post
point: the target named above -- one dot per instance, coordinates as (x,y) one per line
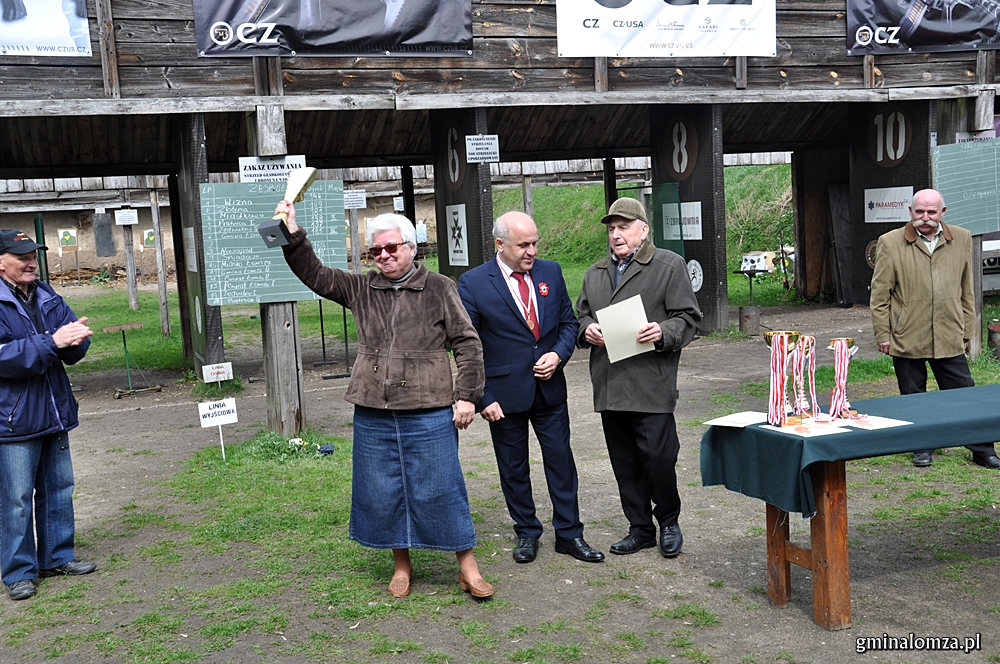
(409,200)
(741,72)
(109,51)
(976,342)
(529,202)
(868,62)
(133,292)
(600,74)
(279,321)
(161,268)
(831,573)
(610,183)
(355,241)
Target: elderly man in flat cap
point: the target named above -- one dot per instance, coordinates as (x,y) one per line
(636,396)
(38,334)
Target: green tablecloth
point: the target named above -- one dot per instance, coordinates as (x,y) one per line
(774,466)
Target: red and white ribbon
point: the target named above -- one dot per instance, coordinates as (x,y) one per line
(779,356)
(840,408)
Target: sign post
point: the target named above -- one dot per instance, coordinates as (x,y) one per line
(217,413)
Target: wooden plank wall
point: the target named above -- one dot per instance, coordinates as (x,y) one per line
(514,50)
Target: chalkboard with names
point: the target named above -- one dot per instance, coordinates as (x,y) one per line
(968,177)
(239,267)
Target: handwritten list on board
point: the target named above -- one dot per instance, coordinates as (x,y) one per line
(239,267)
(968,177)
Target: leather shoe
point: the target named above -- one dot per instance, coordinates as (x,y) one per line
(72,568)
(922,459)
(632,543)
(991,461)
(579,549)
(22,589)
(670,540)
(526,550)
(478,588)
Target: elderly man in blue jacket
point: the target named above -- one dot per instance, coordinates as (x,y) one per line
(38,334)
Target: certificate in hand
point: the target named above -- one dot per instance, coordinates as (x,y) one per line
(620,325)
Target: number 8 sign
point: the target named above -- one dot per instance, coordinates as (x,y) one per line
(682,147)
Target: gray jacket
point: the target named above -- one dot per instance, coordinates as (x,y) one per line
(645,383)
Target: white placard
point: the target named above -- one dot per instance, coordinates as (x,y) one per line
(355,199)
(620,325)
(269,169)
(689,227)
(889,205)
(398,204)
(658,29)
(738,420)
(190,249)
(458,241)
(126,217)
(213,373)
(217,413)
(482,149)
(966,136)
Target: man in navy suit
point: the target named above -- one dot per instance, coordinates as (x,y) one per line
(525,319)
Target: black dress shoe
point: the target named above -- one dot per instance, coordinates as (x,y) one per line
(632,543)
(526,549)
(579,549)
(670,540)
(72,568)
(922,459)
(991,461)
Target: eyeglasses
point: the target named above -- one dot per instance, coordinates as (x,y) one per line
(389,248)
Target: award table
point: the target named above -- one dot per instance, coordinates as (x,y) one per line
(793,473)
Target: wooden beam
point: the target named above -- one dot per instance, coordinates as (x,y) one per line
(831,573)
(267,137)
(600,74)
(986,67)
(526,195)
(741,72)
(610,183)
(109,52)
(868,64)
(161,266)
(983,118)
(779,571)
(409,200)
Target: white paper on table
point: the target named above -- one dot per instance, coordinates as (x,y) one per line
(620,325)
(807,430)
(738,420)
(874,422)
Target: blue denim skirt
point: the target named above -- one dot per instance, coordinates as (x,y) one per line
(408,490)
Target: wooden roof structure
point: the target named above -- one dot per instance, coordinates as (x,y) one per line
(112,112)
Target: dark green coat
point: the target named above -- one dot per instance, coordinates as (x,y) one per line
(645,383)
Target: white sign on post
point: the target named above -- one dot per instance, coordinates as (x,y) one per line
(269,169)
(689,225)
(217,413)
(398,204)
(482,149)
(355,199)
(458,243)
(126,217)
(213,373)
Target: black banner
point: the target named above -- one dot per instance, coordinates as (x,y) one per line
(235,28)
(904,26)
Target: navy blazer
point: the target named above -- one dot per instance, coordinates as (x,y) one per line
(509,348)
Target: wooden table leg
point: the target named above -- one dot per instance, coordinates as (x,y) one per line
(779,572)
(830,566)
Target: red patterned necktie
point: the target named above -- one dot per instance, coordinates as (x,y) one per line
(529,315)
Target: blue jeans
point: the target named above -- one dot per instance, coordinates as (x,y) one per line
(39,473)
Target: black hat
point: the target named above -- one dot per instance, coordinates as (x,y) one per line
(16,242)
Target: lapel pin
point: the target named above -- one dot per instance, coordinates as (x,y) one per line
(543,289)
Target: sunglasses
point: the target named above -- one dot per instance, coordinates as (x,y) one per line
(390,249)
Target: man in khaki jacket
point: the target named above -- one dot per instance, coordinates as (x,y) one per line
(922,305)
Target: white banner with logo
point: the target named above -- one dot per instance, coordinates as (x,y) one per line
(37,28)
(889,205)
(458,241)
(666,28)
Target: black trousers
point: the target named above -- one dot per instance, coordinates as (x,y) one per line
(643,449)
(510,443)
(950,373)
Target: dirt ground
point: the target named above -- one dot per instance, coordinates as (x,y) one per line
(124,448)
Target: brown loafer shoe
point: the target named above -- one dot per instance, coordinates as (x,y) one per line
(479,588)
(400,585)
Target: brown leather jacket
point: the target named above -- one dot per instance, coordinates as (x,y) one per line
(404,334)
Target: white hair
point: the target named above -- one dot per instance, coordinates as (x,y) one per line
(392,222)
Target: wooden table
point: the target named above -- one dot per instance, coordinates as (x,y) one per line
(808,475)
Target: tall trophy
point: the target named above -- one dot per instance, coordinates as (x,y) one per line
(274,232)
